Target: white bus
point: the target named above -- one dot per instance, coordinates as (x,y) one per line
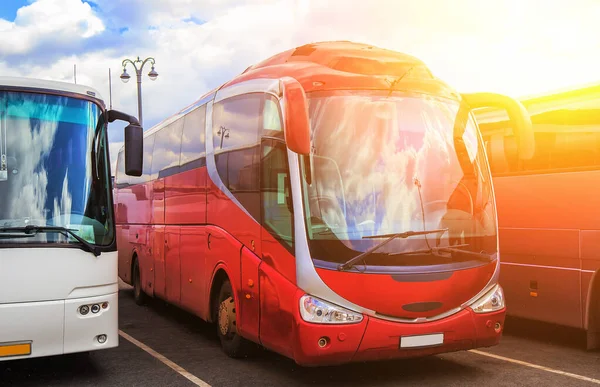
(58,259)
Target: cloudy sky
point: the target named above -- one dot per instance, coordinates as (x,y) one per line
(517,47)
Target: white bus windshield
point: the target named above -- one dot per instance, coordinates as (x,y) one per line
(50,146)
(384,164)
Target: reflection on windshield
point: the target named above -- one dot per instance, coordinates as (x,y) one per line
(383,165)
(47,145)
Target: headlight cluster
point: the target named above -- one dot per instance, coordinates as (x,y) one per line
(490,302)
(322,312)
(95,308)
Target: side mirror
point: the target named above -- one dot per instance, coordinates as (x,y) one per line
(134,150)
(516,112)
(134,142)
(295,116)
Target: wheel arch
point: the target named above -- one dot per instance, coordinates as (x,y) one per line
(592,315)
(219,276)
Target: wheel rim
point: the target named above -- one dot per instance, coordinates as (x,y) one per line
(226,317)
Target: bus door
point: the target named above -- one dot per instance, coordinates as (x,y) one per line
(278,264)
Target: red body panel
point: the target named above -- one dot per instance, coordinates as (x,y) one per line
(194,271)
(375,339)
(186,197)
(248,324)
(366,290)
(549,250)
(225,213)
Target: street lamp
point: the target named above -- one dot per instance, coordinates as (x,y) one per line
(138,72)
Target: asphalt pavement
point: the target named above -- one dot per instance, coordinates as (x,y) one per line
(161,345)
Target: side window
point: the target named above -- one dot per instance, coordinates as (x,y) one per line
(277,209)
(236,121)
(148,150)
(272,123)
(236,133)
(147,162)
(121,179)
(567,137)
(193,144)
(167,148)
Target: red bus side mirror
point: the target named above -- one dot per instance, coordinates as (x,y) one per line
(516,112)
(295,116)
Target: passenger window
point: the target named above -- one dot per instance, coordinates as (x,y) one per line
(567,137)
(236,128)
(121,179)
(148,150)
(236,121)
(193,150)
(271,116)
(167,148)
(277,208)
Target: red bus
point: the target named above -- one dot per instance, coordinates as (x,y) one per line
(332,203)
(549,214)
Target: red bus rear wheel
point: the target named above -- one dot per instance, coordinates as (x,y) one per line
(138,293)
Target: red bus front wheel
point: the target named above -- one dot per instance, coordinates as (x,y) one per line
(233,344)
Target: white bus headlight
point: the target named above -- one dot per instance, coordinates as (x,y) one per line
(490,302)
(322,312)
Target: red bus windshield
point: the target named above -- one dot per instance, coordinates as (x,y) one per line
(388,164)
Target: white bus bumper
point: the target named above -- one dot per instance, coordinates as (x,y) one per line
(57,327)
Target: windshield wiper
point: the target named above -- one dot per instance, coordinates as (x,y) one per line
(32,230)
(389,237)
(452,249)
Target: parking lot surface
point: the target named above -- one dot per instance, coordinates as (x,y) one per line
(161,345)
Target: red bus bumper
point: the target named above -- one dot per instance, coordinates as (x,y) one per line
(376,339)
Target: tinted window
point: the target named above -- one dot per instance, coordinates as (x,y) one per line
(167,149)
(272,124)
(567,136)
(148,150)
(121,178)
(237,123)
(277,213)
(193,140)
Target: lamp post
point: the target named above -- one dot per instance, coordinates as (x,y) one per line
(138,72)
(223,132)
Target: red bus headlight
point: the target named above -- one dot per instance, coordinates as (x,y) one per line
(322,312)
(490,302)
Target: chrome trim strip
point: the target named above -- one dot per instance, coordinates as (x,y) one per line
(548,267)
(263,85)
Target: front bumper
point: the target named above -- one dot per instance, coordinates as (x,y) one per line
(378,339)
(57,327)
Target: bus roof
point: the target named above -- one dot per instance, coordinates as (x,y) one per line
(335,65)
(43,84)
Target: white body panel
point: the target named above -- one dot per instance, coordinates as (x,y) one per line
(41,290)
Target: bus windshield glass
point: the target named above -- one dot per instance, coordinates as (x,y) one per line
(53,170)
(386,163)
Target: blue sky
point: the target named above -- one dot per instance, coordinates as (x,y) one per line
(8,8)
(512,46)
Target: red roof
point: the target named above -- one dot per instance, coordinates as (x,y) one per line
(347,65)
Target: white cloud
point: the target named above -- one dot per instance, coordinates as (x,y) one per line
(63,21)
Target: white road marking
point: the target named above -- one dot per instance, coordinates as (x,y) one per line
(197,381)
(539,367)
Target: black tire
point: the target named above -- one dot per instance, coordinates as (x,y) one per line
(233,344)
(138,293)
